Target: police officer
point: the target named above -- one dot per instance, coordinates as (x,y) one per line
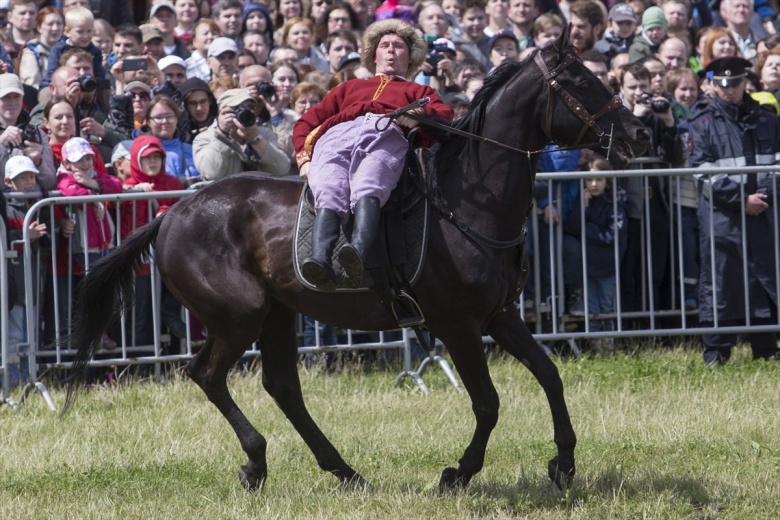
(730,130)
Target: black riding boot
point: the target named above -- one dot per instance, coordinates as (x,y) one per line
(318,268)
(352,256)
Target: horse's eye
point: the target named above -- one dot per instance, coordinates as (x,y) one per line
(584,83)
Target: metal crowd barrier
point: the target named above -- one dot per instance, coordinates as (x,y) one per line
(553,322)
(56,354)
(673,319)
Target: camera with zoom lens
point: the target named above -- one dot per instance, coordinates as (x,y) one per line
(245,116)
(266,89)
(88,83)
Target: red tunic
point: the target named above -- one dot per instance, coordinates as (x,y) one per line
(352,99)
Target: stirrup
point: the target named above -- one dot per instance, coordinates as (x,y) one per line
(416,319)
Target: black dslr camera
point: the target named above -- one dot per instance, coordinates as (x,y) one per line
(30,134)
(266,89)
(245,116)
(88,83)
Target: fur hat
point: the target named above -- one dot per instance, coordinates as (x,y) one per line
(414,40)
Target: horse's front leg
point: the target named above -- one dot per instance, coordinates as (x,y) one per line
(511,333)
(465,349)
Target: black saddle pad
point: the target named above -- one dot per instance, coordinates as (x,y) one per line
(415,230)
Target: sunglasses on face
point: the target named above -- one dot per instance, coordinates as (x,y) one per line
(140,95)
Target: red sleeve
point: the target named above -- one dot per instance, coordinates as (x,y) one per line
(306,128)
(15,223)
(110,183)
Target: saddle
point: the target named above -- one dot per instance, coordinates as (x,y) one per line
(395,261)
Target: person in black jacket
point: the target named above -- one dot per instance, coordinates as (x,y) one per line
(668,149)
(733,130)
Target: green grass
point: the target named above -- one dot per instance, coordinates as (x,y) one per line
(660,436)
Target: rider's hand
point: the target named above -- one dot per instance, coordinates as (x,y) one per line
(304,171)
(408,122)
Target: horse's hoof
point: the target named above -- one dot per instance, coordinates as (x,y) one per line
(250,480)
(450,481)
(561,475)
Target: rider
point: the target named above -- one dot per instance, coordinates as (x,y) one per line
(354,165)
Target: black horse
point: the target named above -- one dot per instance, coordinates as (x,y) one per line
(226,255)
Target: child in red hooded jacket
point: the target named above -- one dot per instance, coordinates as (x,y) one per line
(147,173)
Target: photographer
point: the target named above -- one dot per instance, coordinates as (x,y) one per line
(18,136)
(438,69)
(655,112)
(257,80)
(82,92)
(235,142)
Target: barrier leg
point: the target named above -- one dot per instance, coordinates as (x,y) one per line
(407,371)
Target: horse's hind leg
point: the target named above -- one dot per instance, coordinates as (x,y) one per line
(280,378)
(509,331)
(209,369)
(463,345)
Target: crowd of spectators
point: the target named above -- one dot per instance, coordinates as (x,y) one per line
(218,86)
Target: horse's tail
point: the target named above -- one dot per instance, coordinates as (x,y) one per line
(107,281)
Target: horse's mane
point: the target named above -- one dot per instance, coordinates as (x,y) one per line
(463,150)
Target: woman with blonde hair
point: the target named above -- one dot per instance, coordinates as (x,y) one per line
(298,33)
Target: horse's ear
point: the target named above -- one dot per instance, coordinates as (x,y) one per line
(563,42)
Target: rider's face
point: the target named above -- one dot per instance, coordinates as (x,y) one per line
(392,56)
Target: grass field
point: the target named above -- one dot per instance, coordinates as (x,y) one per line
(660,436)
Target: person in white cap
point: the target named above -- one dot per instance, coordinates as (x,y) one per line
(223,57)
(20,176)
(174,69)
(163,16)
(18,136)
(228,146)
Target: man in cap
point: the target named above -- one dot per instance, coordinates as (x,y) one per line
(223,57)
(163,16)
(733,130)
(269,107)
(333,137)
(620,32)
(18,136)
(230,146)
(174,69)
(152,41)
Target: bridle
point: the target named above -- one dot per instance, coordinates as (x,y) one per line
(603,139)
(590,121)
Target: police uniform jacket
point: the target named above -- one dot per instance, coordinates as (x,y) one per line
(722,135)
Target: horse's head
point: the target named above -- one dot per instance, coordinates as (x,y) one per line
(580,111)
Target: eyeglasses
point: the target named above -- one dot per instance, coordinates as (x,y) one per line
(140,95)
(306,102)
(164,118)
(339,19)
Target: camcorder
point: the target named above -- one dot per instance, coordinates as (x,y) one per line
(658,106)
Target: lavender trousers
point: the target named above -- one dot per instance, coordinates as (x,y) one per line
(354,160)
